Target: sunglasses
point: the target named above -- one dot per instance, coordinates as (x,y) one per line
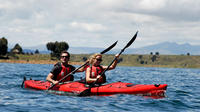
(99,59)
(64,56)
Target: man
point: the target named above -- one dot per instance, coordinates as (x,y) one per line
(61,69)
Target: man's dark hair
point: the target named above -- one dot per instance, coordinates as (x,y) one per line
(65,52)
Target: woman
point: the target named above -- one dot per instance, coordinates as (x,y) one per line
(94,70)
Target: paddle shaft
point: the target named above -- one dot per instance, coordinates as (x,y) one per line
(104,51)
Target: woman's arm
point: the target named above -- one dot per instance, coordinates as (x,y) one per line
(114,64)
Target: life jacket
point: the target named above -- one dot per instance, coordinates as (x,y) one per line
(95,71)
(64,71)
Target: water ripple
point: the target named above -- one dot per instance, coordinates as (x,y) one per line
(182,92)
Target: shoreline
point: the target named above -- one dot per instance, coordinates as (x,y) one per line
(80,63)
(37,62)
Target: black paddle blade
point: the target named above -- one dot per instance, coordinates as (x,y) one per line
(131,41)
(85,92)
(109,48)
(22,85)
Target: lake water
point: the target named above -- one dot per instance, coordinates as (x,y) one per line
(183,93)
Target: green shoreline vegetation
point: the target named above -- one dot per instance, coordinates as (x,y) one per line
(16,55)
(170,61)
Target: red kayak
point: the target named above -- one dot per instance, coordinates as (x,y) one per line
(108,89)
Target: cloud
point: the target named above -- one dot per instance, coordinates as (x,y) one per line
(99,22)
(152,4)
(88,26)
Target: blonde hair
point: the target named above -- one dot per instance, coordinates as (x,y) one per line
(93,57)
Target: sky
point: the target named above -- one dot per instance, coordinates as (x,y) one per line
(99,23)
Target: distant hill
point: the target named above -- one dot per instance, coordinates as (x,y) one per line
(167,48)
(171,48)
(87,50)
(42,49)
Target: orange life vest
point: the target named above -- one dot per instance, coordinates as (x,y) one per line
(95,71)
(64,72)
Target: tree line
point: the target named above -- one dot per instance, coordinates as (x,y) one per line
(55,47)
(3,46)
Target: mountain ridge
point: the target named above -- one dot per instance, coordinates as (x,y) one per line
(166,48)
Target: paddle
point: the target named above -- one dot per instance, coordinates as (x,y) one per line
(104,51)
(127,45)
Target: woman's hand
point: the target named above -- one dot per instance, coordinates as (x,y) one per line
(98,76)
(117,56)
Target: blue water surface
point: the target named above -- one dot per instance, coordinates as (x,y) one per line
(183,93)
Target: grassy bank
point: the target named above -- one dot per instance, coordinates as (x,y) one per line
(171,61)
